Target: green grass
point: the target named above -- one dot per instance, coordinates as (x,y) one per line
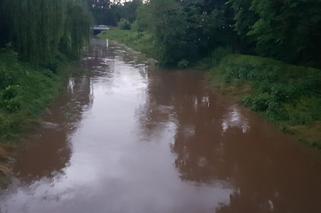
(288,95)
(139,41)
(25,91)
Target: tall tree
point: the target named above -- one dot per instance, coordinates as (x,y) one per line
(288,30)
(42,25)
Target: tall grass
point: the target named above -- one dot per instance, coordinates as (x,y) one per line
(25,91)
(285,94)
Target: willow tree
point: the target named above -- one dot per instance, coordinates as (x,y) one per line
(76,29)
(39,28)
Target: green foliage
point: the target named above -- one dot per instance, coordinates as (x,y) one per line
(43,34)
(143,18)
(110,12)
(140,41)
(182,32)
(284,93)
(286,30)
(9,100)
(186,30)
(218,54)
(25,92)
(76,32)
(288,95)
(43,26)
(260,102)
(135,27)
(124,24)
(168,28)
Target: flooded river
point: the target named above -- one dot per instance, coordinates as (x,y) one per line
(125,137)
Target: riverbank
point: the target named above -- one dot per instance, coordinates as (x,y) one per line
(25,92)
(287,95)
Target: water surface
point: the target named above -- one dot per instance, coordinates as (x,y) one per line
(125,137)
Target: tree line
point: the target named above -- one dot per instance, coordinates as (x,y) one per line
(288,30)
(41,31)
(111,12)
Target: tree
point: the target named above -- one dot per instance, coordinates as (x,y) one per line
(244,18)
(42,25)
(187,30)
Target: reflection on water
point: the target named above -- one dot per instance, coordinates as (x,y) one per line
(124,137)
(234,118)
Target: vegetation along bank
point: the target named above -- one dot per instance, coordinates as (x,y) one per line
(36,48)
(268,50)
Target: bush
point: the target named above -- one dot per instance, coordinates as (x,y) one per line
(218,54)
(259,102)
(136,27)
(9,100)
(25,91)
(282,92)
(124,24)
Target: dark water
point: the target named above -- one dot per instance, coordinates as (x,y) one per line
(126,138)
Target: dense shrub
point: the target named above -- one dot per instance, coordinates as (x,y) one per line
(282,92)
(25,90)
(124,24)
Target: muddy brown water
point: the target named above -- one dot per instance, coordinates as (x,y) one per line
(125,137)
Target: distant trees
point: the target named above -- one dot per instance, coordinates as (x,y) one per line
(286,30)
(110,12)
(187,30)
(289,30)
(124,24)
(4,35)
(168,26)
(99,4)
(99,10)
(40,30)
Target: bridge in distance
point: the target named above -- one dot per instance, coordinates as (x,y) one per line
(99,29)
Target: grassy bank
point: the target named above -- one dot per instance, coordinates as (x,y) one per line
(25,91)
(140,41)
(288,95)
